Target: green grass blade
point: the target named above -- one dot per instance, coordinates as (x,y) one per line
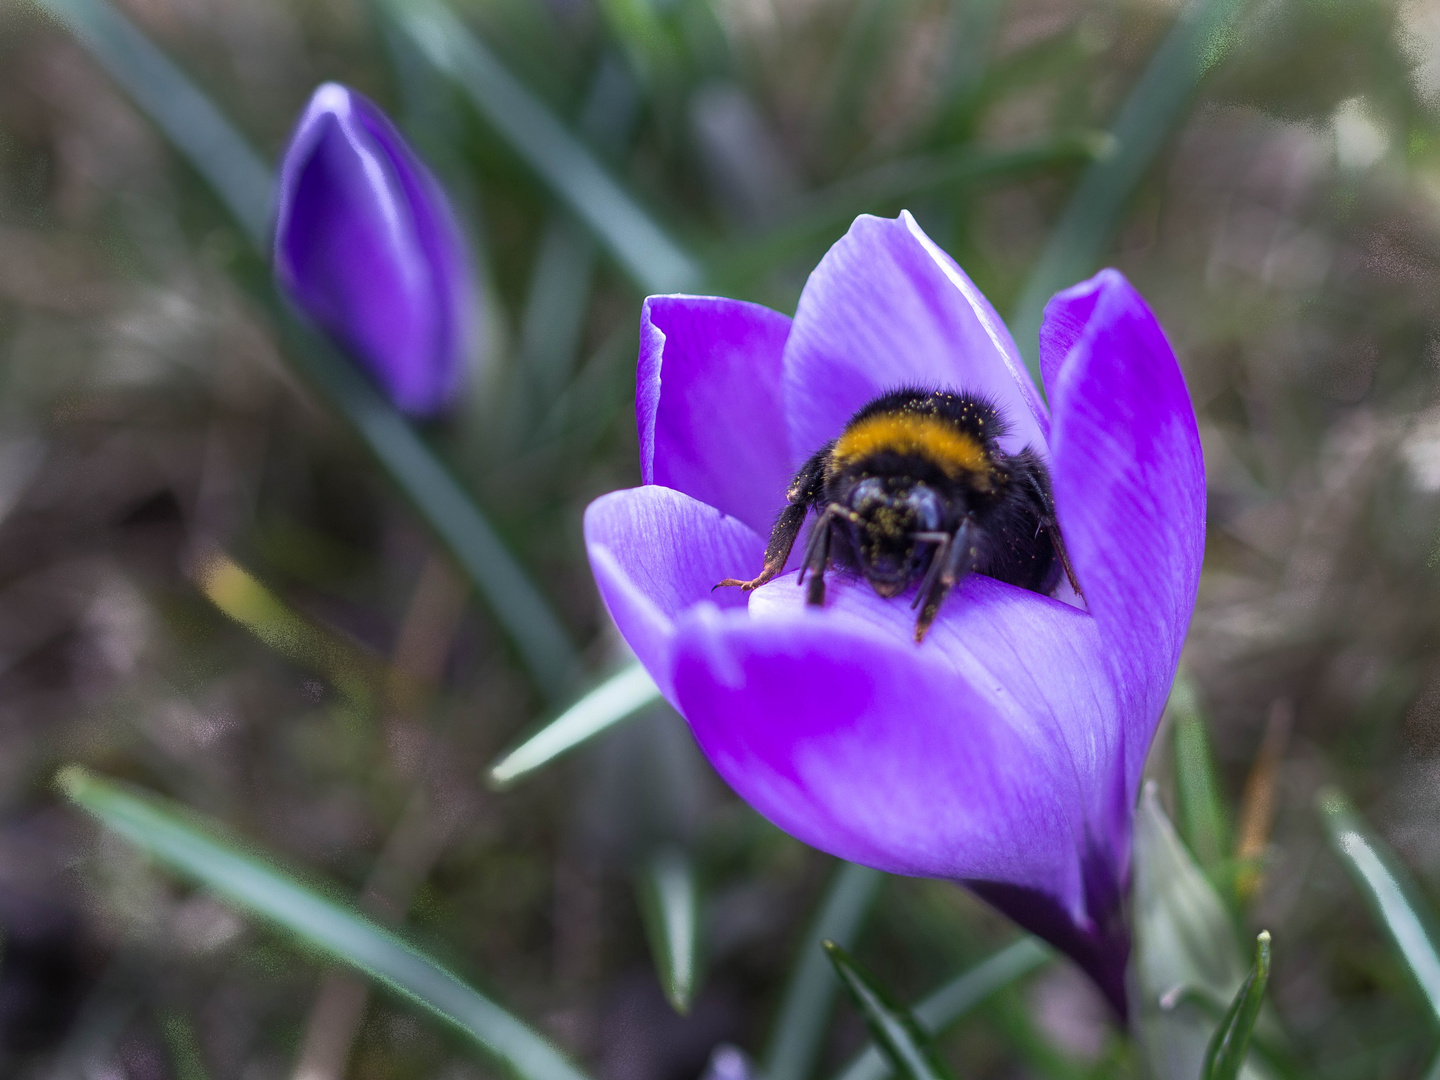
(188,117)
(1184,942)
(810,994)
(823,215)
(254,884)
(556,301)
(558,297)
(654,261)
(1200,809)
(973,24)
(957,997)
(638,26)
(1226,1053)
(616,699)
(953,1000)
(1392,894)
(517,605)
(239,595)
(669,905)
(1154,106)
(895,1031)
(866,44)
(183,1043)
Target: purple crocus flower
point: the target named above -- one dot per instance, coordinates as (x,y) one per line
(1005,751)
(367,246)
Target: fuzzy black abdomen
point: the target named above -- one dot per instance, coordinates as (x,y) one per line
(1017,548)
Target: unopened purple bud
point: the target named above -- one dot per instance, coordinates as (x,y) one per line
(367,246)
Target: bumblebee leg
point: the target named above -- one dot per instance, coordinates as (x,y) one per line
(937,561)
(817,555)
(1064,555)
(782,539)
(959,561)
(805,491)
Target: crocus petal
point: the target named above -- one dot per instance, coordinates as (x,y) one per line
(887,308)
(848,736)
(656,552)
(707,403)
(366,245)
(984,755)
(1129,489)
(1039,655)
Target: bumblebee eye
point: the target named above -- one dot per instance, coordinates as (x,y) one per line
(924,504)
(868,494)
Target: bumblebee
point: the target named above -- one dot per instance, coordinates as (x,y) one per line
(917,489)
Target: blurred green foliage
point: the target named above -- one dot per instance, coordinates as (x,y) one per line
(1284,221)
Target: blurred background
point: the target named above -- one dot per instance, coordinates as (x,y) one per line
(209,588)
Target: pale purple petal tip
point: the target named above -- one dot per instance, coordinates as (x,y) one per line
(885,309)
(707,404)
(799,714)
(656,553)
(1129,483)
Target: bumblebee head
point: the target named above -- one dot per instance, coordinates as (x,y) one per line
(886,514)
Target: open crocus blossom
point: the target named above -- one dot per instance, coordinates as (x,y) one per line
(367,246)
(1005,750)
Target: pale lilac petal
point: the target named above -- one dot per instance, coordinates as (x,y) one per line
(707,403)
(1041,658)
(656,552)
(862,745)
(984,755)
(887,308)
(1065,319)
(1129,490)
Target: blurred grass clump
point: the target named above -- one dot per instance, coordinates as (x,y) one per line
(208,588)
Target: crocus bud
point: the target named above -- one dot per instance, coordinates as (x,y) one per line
(367,246)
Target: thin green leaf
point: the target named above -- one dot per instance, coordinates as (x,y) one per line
(954,1000)
(972,27)
(616,699)
(1226,1053)
(1267,1047)
(669,904)
(560,281)
(1203,821)
(653,260)
(555,305)
(896,1032)
(184,1046)
(189,119)
(867,43)
(1153,108)
(1183,938)
(810,993)
(637,24)
(517,605)
(232,589)
(822,215)
(253,883)
(1387,885)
